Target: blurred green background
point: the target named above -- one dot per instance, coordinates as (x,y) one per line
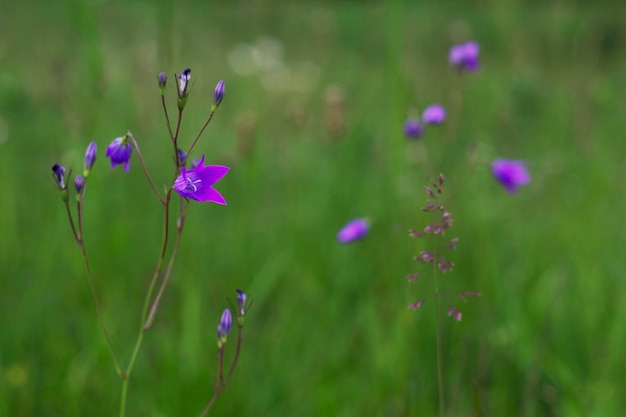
(316,95)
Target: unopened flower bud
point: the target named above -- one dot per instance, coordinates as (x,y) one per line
(183,87)
(223,328)
(79,183)
(59,175)
(162,79)
(218,95)
(242,307)
(90,158)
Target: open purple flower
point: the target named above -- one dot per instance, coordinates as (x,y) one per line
(120,151)
(354,230)
(434,114)
(464,57)
(196,183)
(511,174)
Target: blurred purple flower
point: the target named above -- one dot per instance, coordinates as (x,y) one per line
(182,157)
(354,230)
(434,114)
(464,57)
(413,129)
(196,183)
(195,162)
(453,312)
(120,151)
(510,173)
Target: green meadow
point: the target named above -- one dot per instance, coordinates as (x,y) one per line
(312,127)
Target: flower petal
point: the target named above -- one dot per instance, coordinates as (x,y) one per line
(209,194)
(212,173)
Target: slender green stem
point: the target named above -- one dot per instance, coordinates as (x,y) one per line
(167,119)
(175,139)
(439,349)
(239,343)
(193,144)
(79,240)
(168,271)
(220,382)
(146,304)
(69,215)
(145,170)
(94,295)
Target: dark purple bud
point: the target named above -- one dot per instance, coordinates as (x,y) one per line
(430,192)
(79,182)
(218,94)
(182,156)
(440,179)
(162,79)
(413,129)
(90,158)
(226,322)
(416,305)
(241,303)
(59,175)
(183,83)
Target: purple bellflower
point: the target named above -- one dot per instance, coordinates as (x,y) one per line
(196,183)
(511,174)
(354,230)
(120,151)
(464,57)
(413,129)
(434,114)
